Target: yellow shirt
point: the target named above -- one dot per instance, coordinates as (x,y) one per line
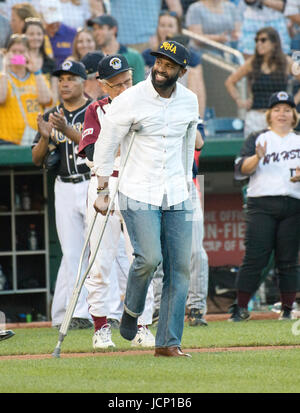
(48,47)
(12,124)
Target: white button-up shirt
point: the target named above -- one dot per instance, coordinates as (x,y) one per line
(161,157)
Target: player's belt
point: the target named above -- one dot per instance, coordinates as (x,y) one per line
(76,179)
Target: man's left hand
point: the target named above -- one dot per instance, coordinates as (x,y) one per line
(58,121)
(102,203)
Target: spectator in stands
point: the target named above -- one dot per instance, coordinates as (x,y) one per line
(105,29)
(75,12)
(97,8)
(19,13)
(61,36)
(292,11)
(267,71)
(35,33)
(185,4)
(137,21)
(169,25)
(24,92)
(92,87)
(268,159)
(5,31)
(257,14)
(84,42)
(175,6)
(7,5)
(22,11)
(217,20)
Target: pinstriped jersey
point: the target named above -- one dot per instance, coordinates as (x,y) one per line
(70,163)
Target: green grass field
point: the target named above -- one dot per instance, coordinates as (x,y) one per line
(258,371)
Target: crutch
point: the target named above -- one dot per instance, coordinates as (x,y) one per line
(80,281)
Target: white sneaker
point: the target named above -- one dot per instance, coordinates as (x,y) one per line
(102,338)
(143,338)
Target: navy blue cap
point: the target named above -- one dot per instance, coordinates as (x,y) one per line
(104,19)
(91,61)
(112,65)
(69,66)
(281,97)
(174,51)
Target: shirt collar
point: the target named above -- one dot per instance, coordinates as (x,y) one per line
(154,92)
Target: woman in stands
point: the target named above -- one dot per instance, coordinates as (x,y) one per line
(267,71)
(169,26)
(35,33)
(270,159)
(19,13)
(75,12)
(24,93)
(217,20)
(83,43)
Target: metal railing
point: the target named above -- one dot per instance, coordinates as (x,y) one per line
(224,63)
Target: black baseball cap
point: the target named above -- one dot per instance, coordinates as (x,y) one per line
(102,20)
(91,61)
(69,66)
(112,65)
(174,51)
(281,97)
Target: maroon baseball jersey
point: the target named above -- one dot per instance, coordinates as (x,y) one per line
(92,124)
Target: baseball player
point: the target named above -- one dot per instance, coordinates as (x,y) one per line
(62,126)
(115,76)
(120,265)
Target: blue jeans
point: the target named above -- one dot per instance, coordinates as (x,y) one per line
(159,234)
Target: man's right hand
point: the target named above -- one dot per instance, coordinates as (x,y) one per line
(45,128)
(102,202)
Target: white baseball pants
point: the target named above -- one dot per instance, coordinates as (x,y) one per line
(106,282)
(70,215)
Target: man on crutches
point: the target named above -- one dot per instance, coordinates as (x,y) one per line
(114,76)
(153,193)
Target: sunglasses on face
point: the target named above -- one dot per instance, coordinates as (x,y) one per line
(261,40)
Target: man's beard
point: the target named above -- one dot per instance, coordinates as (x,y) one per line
(168,83)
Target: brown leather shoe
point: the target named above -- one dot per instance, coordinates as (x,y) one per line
(170,352)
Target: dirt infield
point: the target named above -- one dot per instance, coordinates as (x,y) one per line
(270,315)
(142,352)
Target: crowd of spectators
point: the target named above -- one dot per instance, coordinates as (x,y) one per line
(36,37)
(57,30)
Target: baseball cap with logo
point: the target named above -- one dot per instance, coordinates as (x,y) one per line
(281,97)
(112,65)
(104,19)
(174,51)
(68,66)
(91,61)
(51,11)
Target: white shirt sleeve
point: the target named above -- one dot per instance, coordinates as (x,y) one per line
(188,150)
(115,126)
